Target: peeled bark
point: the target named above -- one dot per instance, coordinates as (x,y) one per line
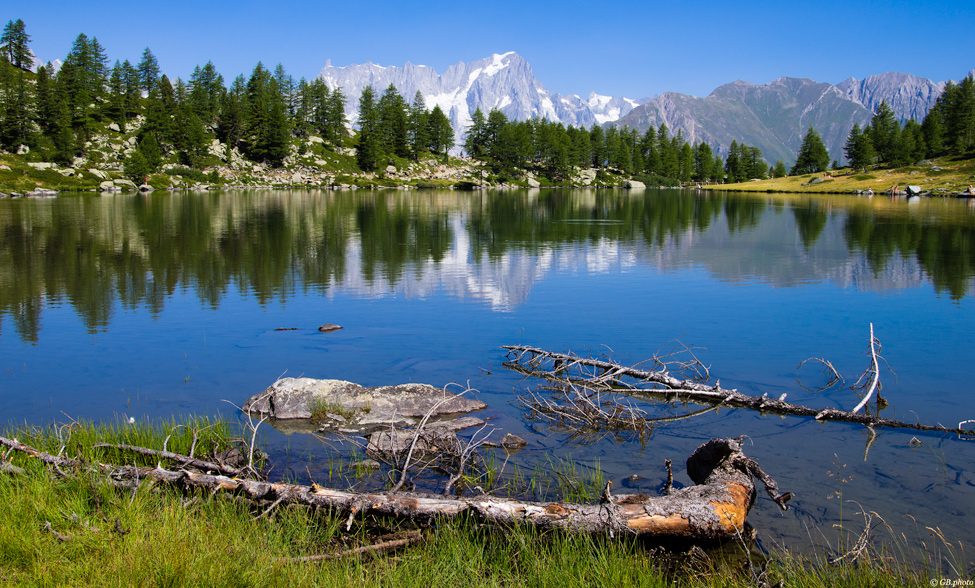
(714,508)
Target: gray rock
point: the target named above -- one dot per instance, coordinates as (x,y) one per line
(106,186)
(817,181)
(41,165)
(41,193)
(114,127)
(925,162)
(513,443)
(533,183)
(23,150)
(936,168)
(4,168)
(390,169)
(121,183)
(634,184)
(329,328)
(361,408)
(436,438)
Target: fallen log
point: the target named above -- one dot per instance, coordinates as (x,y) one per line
(563,368)
(714,508)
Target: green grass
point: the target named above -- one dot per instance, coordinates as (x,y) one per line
(83,531)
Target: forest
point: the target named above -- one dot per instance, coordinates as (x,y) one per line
(55,112)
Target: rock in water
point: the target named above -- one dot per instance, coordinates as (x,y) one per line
(329,404)
(329,327)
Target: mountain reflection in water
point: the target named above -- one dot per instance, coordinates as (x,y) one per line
(167,304)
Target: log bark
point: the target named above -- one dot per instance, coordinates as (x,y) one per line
(553,366)
(714,508)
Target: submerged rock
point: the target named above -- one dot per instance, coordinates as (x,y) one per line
(329,327)
(307,404)
(436,439)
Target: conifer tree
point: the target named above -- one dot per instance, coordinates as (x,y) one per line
(885,134)
(14,42)
(703,162)
(417,123)
(335,130)
(368,151)
(441,133)
(812,157)
(858,148)
(597,140)
(393,122)
(475,138)
(148,70)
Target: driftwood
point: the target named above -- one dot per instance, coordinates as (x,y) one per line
(714,508)
(580,373)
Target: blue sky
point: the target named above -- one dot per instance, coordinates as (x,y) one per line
(632,48)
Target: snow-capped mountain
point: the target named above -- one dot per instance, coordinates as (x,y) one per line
(504,82)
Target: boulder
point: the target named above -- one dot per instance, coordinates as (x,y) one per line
(98,173)
(634,184)
(533,183)
(41,165)
(23,150)
(297,179)
(41,193)
(114,127)
(122,183)
(316,404)
(106,186)
(390,169)
(329,328)
(4,168)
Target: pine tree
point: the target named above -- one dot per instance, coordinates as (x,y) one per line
(441,133)
(858,148)
(597,139)
(703,162)
(393,122)
(335,117)
(813,157)
(14,42)
(475,139)
(16,126)
(417,124)
(779,171)
(732,166)
(651,152)
(960,135)
(369,148)
(885,134)
(148,70)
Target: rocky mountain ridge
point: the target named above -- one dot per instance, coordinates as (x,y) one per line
(773,116)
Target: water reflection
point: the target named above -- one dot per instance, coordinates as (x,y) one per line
(97,253)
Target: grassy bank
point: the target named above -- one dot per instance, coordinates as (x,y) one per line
(82,531)
(946,176)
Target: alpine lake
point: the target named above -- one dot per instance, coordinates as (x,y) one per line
(167,305)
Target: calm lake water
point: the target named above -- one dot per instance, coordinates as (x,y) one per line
(165,305)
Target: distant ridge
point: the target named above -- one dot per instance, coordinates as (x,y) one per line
(773,117)
(503,81)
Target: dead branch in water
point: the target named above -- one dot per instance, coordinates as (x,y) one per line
(577,380)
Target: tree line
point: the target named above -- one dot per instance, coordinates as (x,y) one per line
(947,129)
(56,112)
